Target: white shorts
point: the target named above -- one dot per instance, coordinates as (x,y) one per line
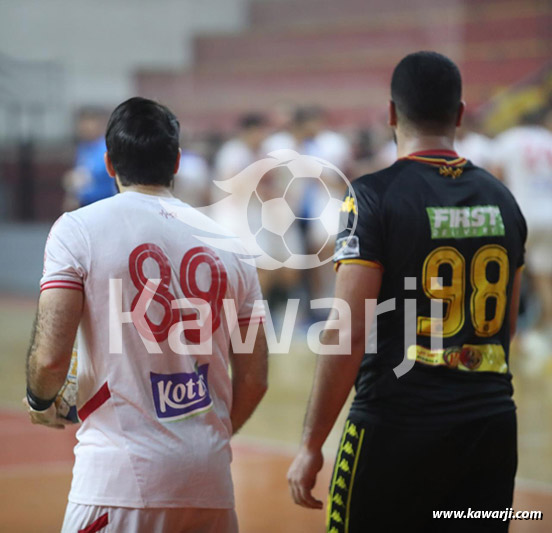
(90,518)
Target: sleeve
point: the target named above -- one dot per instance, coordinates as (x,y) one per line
(251,306)
(65,256)
(361,240)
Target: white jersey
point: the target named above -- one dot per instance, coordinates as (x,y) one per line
(155,426)
(233,156)
(328,145)
(335,148)
(524,154)
(192,181)
(475,147)
(281,140)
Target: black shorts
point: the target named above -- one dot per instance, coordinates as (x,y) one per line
(389,479)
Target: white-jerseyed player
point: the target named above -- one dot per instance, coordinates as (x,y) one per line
(153,450)
(523,159)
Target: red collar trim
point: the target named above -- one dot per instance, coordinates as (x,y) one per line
(438,158)
(446,153)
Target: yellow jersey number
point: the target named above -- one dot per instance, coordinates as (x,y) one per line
(453,295)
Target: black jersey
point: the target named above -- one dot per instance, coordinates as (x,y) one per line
(444,230)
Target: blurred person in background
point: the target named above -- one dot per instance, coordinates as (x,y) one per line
(386,154)
(472,144)
(239,152)
(192,182)
(309,134)
(364,150)
(522,158)
(88,181)
(322,142)
(234,156)
(382,149)
(280,119)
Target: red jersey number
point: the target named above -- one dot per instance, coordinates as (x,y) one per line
(189,282)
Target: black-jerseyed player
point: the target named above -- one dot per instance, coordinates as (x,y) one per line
(431,427)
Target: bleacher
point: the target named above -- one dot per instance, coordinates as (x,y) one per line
(340,55)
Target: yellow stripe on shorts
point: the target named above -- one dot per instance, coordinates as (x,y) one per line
(339,499)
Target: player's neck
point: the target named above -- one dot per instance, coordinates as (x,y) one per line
(152,190)
(407,145)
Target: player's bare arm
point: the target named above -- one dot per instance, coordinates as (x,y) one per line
(249,379)
(334,378)
(57,319)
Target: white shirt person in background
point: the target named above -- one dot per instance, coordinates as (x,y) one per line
(522,158)
(472,144)
(245,148)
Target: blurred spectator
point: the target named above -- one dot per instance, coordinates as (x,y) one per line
(335,148)
(234,156)
(309,135)
(385,146)
(283,138)
(238,153)
(281,121)
(522,157)
(88,181)
(364,151)
(192,182)
(472,144)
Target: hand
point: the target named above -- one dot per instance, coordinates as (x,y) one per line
(48,418)
(302,477)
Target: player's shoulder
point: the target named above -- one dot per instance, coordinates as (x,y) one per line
(489,181)
(70,229)
(95,210)
(380,177)
(492,188)
(376,184)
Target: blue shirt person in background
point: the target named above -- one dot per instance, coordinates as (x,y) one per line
(88,181)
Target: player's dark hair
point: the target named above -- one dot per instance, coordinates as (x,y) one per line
(142,141)
(426,88)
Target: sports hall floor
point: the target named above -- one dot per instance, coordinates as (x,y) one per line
(35,462)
